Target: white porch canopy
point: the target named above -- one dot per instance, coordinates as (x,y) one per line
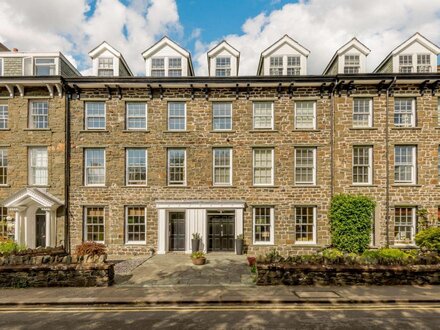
(25,203)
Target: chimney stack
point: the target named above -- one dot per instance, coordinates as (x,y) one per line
(15,50)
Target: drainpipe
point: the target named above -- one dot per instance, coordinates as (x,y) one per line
(67,172)
(387,162)
(332,139)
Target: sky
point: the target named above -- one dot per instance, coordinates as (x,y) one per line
(75,27)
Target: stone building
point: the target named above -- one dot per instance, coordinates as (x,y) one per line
(153,160)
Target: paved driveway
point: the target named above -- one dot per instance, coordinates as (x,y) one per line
(177,269)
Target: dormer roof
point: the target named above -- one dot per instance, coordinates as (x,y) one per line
(416,37)
(354,42)
(282,41)
(3,48)
(105,46)
(165,41)
(224,45)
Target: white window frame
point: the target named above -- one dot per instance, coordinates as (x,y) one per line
(438,111)
(55,64)
(177,183)
(127,168)
(424,67)
(5,116)
(112,69)
(127,241)
(32,176)
(177,69)
(406,66)
(223,68)
(32,115)
(313,127)
(301,183)
(153,69)
(272,226)
(276,67)
(370,166)
(86,117)
(296,68)
(350,66)
(314,232)
(272,169)
(253,116)
(214,167)
(86,183)
(86,223)
(4,165)
(413,112)
(413,225)
(370,112)
(2,67)
(127,117)
(413,164)
(169,116)
(214,117)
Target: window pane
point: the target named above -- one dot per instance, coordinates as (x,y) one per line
(176,116)
(304,165)
(404,112)
(95,115)
(262,224)
(263,167)
(44,66)
(222,166)
(223,66)
(263,115)
(39,114)
(404,226)
(94,227)
(361,165)
(362,112)
(304,224)
(136,116)
(136,166)
(305,115)
(94,166)
(38,166)
(404,164)
(3,166)
(176,166)
(4,115)
(276,66)
(135,224)
(222,116)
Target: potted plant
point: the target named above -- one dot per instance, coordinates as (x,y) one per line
(239,244)
(198,258)
(195,242)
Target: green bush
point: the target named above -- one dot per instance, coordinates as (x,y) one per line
(10,247)
(429,239)
(350,221)
(332,254)
(386,256)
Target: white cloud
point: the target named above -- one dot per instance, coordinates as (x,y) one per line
(323,26)
(62,25)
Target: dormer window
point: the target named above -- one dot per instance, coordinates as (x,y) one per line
(352,64)
(223,66)
(276,66)
(423,63)
(105,67)
(158,67)
(293,65)
(405,64)
(175,67)
(45,67)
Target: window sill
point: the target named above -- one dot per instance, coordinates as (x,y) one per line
(176,131)
(38,186)
(37,129)
(135,243)
(91,186)
(263,244)
(223,186)
(405,128)
(406,185)
(306,186)
(264,130)
(5,185)
(176,186)
(268,186)
(405,246)
(94,131)
(4,129)
(363,128)
(303,244)
(306,130)
(222,131)
(135,131)
(136,186)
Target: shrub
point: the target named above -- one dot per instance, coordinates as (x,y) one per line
(197,255)
(350,220)
(429,239)
(333,255)
(91,249)
(10,247)
(386,256)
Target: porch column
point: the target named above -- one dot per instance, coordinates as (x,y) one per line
(238,222)
(48,228)
(17,227)
(161,231)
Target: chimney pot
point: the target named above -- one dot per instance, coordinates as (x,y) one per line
(15,50)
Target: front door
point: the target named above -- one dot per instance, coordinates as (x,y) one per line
(40,230)
(221,232)
(176,231)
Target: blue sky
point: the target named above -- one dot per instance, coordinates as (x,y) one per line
(250,26)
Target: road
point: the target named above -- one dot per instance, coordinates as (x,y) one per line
(224,317)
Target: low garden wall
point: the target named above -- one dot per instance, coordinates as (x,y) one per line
(59,270)
(285,274)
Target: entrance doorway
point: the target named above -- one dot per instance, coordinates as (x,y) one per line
(221,231)
(40,230)
(176,231)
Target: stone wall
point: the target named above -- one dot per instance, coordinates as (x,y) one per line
(280,274)
(13,66)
